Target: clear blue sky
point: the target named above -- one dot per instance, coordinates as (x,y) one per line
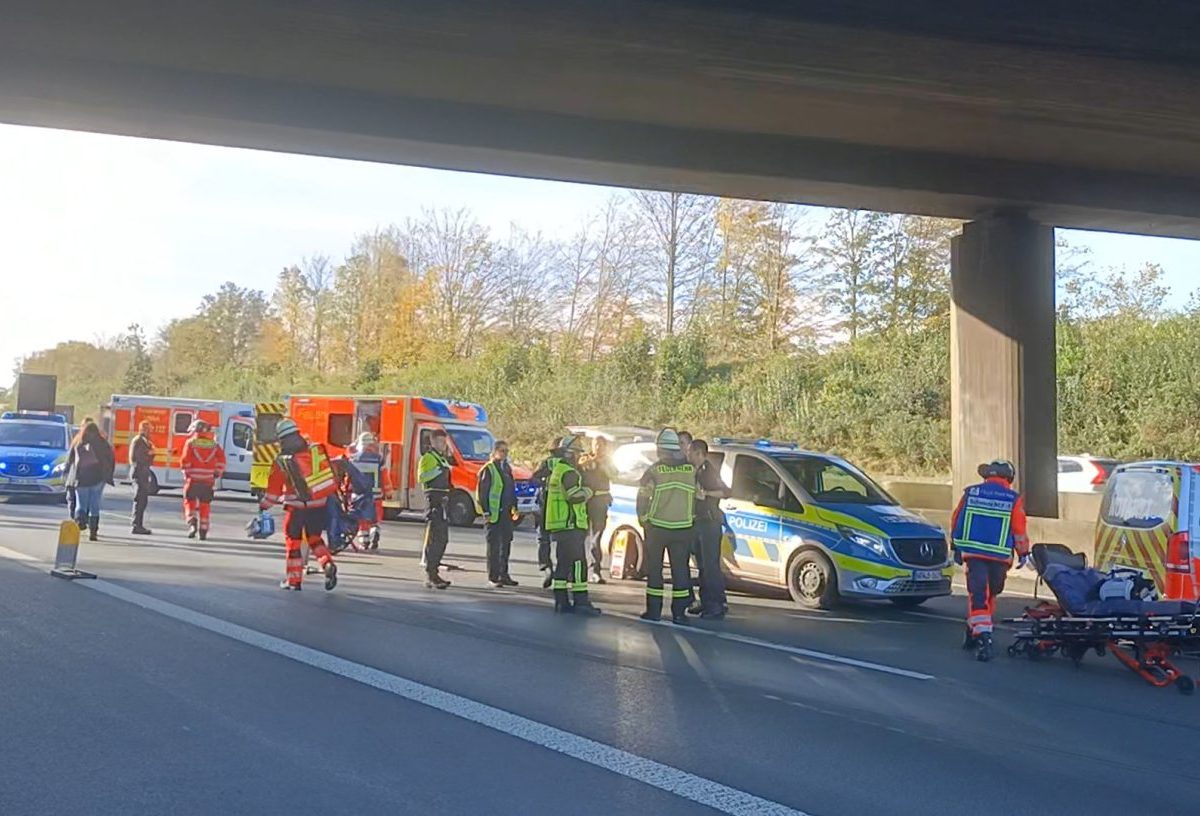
(101,231)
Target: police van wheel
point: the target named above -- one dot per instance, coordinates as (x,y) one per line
(812,581)
(460,510)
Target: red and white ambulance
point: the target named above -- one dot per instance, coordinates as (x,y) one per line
(170,418)
(403,426)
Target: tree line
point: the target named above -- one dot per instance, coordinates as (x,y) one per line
(726,316)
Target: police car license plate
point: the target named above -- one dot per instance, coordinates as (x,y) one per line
(927,575)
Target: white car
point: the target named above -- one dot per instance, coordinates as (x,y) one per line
(1084,474)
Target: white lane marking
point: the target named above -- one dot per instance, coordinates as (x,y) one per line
(779,647)
(18,556)
(664,777)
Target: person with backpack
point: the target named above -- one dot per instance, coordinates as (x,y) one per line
(90,465)
(303,480)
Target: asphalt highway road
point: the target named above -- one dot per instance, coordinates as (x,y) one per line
(183,681)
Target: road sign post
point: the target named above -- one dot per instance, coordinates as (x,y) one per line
(68,552)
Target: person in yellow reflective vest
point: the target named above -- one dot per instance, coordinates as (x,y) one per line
(498,500)
(567,523)
(433,472)
(666,510)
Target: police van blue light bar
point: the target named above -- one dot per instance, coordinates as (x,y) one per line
(58,419)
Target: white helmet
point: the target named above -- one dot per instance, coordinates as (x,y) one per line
(365,440)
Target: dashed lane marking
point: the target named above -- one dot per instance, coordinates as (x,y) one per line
(811,654)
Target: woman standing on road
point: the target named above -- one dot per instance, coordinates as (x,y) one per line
(89,468)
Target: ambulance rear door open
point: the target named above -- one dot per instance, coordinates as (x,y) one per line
(395,430)
(328,420)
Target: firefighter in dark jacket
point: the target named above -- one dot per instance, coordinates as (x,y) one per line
(666,509)
(597,472)
(141,460)
(709,529)
(567,521)
(498,500)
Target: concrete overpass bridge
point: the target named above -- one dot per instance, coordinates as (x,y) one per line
(1017,117)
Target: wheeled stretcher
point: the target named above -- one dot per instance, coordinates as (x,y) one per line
(1145,636)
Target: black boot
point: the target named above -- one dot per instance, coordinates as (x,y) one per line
(983,649)
(583,605)
(653,609)
(548,580)
(436,581)
(330,575)
(968,641)
(193,528)
(81,522)
(93,528)
(203,534)
(679,608)
(562,604)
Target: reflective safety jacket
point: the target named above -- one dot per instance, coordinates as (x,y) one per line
(989,522)
(497,490)
(202,459)
(313,466)
(566,499)
(667,496)
(433,472)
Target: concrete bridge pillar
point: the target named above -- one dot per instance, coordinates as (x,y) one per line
(1003,400)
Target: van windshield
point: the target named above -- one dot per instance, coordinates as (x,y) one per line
(474,444)
(830,482)
(33,435)
(1139,498)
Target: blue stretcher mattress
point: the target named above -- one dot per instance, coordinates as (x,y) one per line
(1078,590)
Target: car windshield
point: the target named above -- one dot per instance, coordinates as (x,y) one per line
(32,435)
(833,482)
(474,444)
(1139,498)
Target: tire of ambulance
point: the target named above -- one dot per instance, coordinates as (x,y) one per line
(460,509)
(153,484)
(812,580)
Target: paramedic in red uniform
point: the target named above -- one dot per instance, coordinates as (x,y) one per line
(202,462)
(988,526)
(303,480)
